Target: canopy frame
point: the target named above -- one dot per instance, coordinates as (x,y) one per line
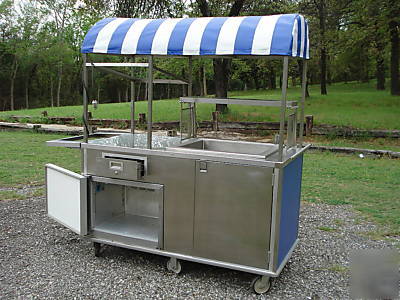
(151,81)
(274,37)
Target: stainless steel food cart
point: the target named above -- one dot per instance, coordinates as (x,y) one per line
(231,204)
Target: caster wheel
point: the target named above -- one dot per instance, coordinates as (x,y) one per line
(98,249)
(261,284)
(174,265)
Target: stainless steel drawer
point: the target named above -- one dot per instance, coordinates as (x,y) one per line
(119,168)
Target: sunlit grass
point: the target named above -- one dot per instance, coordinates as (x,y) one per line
(357,105)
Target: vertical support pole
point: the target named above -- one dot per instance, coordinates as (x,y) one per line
(303,100)
(150,102)
(283,106)
(85,101)
(190,93)
(132,100)
(180,121)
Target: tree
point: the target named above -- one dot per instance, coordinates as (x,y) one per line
(221,66)
(393,16)
(317,9)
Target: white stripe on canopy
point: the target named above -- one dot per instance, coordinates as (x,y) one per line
(162,36)
(263,35)
(226,44)
(133,35)
(105,34)
(194,36)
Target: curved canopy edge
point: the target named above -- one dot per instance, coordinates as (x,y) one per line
(284,35)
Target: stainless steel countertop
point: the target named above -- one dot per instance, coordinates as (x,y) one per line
(174,147)
(137,140)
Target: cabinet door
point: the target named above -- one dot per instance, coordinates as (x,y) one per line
(67,198)
(233,213)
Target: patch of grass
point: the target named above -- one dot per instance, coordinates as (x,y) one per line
(338,268)
(353,104)
(23,156)
(370,185)
(339,222)
(392,144)
(326,228)
(11,195)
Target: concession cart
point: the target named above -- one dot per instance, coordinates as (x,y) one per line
(230,204)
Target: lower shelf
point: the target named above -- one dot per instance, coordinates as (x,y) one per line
(131,226)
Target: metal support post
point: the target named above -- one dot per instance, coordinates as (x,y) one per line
(132,101)
(150,102)
(283,107)
(85,101)
(303,100)
(190,93)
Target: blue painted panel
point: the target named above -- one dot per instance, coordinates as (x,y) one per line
(290,207)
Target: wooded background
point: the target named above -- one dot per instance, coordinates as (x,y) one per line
(40,61)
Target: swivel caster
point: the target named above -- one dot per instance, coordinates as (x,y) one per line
(98,249)
(261,284)
(174,265)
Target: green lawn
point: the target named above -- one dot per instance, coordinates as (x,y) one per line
(370,185)
(353,104)
(358,142)
(23,156)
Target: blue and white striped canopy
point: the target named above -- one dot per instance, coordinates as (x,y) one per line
(255,35)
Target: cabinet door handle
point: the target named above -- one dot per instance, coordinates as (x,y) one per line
(203,167)
(116,165)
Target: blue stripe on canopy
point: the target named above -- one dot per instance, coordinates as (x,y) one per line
(178,35)
(210,36)
(118,37)
(298,20)
(91,36)
(245,35)
(146,38)
(281,44)
(285,35)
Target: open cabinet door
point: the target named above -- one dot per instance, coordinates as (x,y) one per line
(67,198)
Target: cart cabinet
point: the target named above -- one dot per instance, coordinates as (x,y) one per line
(230,204)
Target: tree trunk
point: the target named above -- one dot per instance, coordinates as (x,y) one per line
(98,94)
(221,65)
(221,76)
(380,73)
(323,56)
(60,71)
(394,58)
(27,94)
(301,66)
(51,92)
(13,75)
(272,79)
(138,92)
(204,81)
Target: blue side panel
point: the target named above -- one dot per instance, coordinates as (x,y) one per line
(290,207)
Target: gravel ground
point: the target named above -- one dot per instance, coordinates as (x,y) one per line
(41,259)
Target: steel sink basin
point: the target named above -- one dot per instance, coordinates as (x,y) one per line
(237,147)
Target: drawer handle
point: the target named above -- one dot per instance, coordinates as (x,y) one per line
(116,166)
